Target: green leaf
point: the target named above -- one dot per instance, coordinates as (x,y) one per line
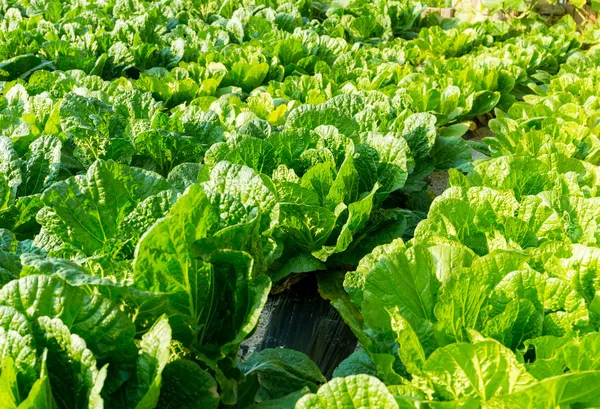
(319,178)
(451,152)
(97,320)
(247,76)
(154,355)
(482,370)
(580,270)
(461,305)
(358,363)
(308,227)
(144,215)
(449,102)
(581,354)
(357,391)
(420,133)
(558,391)
(40,395)
(187,386)
(9,387)
(17,347)
(358,215)
(287,402)
(392,161)
(281,372)
(167,149)
(90,207)
(10,168)
(21,216)
(410,349)
(97,133)
(455,130)
(42,165)
(482,102)
(550,296)
(408,397)
(344,188)
(14,67)
(519,321)
(403,281)
(75,379)
(312,116)
(164,262)
(184,175)
(232,185)
(302,263)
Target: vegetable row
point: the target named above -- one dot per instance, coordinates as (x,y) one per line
(494,302)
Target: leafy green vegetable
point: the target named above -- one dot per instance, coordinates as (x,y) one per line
(162,163)
(199,289)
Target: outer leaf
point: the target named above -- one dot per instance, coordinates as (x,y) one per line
(164,262)
(559,391)
(287,402)
(420,133)
(482,370)
(75,379)
(358,391)
(187,386)
(281,372)
(358,216)
(99,321)
(243,184)
(42,165)
(402,281)
(358,363)
(19,357)
(40,395)
(154,355)
(92,206)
